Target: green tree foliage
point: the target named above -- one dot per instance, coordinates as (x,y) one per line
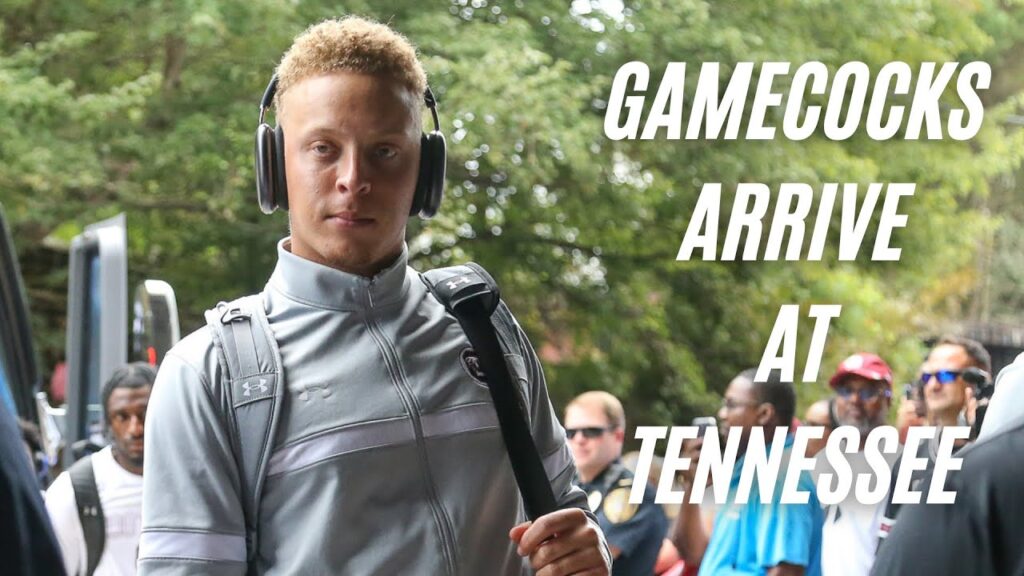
(150,107)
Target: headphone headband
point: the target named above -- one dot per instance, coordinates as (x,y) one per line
(976,376)
(268,96)
(271,91)
(428,98)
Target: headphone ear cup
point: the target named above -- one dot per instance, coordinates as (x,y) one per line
(280,179)
(430,188)
(265,168)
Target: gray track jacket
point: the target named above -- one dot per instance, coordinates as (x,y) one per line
(388,457)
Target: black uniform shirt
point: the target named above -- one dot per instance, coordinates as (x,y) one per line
(635,529)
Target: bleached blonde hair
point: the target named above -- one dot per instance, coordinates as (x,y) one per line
(350,44)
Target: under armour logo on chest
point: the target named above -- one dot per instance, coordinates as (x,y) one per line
(453,284)
(325,392)
(259,387)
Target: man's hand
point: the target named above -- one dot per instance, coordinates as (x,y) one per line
(562,543)
(691,449)
(970,406)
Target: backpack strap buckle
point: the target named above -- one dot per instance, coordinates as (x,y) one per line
(232,314)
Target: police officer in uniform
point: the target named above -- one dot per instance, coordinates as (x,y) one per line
(595,427)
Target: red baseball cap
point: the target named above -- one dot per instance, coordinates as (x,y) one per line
(864,365)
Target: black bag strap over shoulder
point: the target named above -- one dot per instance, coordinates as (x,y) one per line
(90,511)
(470,294)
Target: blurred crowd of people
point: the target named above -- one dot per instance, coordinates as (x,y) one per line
(979,534)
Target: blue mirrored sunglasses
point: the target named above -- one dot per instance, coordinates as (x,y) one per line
(943,376)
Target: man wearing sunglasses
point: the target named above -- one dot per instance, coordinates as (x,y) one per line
(595,426)
(948,376)
(863,387)
(982,532)
(948,395)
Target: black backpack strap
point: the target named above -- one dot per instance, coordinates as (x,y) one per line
(90,511)
(471,295)
(252,387)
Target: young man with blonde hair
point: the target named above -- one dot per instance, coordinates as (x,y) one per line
(387,457)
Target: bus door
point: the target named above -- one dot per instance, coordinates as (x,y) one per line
(97,328)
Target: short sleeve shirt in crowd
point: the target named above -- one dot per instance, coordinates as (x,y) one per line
(981,534)
(636,529)
(850,533)
(751,538)
(120,494)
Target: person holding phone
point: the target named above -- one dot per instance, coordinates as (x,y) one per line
(752,538)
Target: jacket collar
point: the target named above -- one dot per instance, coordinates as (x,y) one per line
(325,287)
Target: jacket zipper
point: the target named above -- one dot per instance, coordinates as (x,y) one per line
(408,400)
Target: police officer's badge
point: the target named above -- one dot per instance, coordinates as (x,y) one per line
(594,500)
(617,508)
(471,364)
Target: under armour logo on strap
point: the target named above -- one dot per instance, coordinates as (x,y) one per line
(453,284)
(260,386)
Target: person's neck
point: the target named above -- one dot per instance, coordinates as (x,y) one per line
(944,418)
(769,438)
(588,476)
(948,419)
(126,464)
(864,434)
(367,270)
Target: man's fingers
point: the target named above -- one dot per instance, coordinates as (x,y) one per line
(573,551)
(584,562)
(551,551)
(516,533)
(549,525)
